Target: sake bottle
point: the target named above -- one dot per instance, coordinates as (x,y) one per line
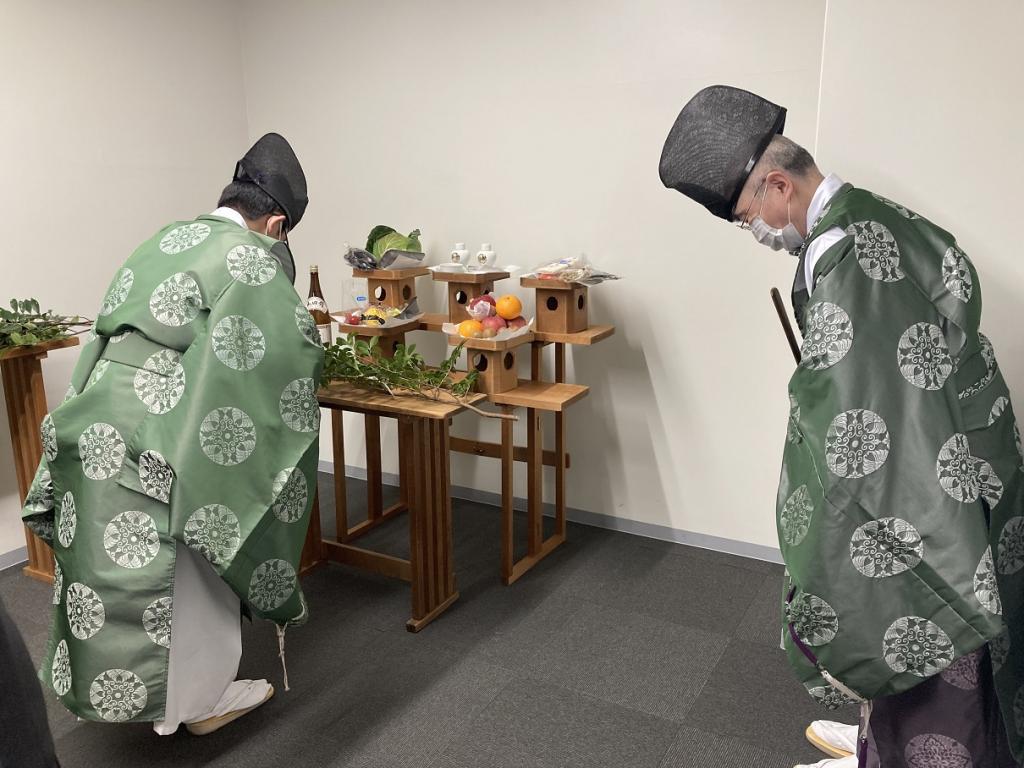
(318,307)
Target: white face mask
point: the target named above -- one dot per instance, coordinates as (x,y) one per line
(787,238)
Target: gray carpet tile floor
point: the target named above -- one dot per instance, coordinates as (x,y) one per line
(615,651)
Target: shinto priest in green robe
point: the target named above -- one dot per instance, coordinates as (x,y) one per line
(180,469)
(901,503)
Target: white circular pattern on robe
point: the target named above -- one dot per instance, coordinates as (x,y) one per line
(58,583)
(956,274)
(97,373)
(118,338)
(985,587)
(251,264)
(182,238)
(901,210)
(131,539)
(40,493)
(176,301)
(238,343)
(814,620)
(963,673)
(160,383)
(857,443)
(156,620)
(70,393)
(877,252)
(101,451)
(885,547)
(118,291)
(933,750)
(272,583)
(155,476)
(68,520)
(956,470)
(830,697)
(917,646)
(48,433)
(118,695)
(828,338)
(86,614)
(923,356)
(793,426)
(290,492)
(1018,710)
(60,670)
(213,531)
(999,651)
(795,517)
(227,436)
(998,408)
(989,484)
(299,407)
(1010,549)
(304,322)
(988,355)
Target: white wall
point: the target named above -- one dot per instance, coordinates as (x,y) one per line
(538,126)
(920,101)
(117,118)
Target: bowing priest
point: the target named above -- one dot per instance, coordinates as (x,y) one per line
(900,507)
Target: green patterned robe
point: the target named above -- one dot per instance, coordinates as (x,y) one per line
(901,498)
(191,417)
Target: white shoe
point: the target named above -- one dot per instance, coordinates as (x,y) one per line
(240,698)
(842,762)
(834,739)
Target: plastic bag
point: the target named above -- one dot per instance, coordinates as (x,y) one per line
(575,269)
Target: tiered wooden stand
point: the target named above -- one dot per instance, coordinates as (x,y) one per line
(561,319)
(22,372)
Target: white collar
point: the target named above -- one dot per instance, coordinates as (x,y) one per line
(230,213)
(825,192)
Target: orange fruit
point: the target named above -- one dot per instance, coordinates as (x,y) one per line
(470,329)
(509,307)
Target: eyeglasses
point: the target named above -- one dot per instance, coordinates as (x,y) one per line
(742,222)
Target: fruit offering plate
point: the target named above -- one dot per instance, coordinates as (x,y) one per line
(375,321)
(505,334)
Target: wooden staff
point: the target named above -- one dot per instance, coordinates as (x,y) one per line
(780,308)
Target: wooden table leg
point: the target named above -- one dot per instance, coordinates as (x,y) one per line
(26,407)
(508,524)
(560,453)
(313,548)
(340,487)
(430,521)
(374,481)
(534,481)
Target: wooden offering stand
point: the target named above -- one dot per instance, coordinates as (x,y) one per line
(561,307)
(463,287)
(26,406)
(494,361)
(389,288)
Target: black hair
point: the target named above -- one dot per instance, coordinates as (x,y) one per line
(249,200)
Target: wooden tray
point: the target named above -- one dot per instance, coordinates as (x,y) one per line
(469,278)
(390,274)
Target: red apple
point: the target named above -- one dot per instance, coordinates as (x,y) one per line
(480,307)
(517,322)
(494,323)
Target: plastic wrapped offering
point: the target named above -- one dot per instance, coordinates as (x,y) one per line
(576,269)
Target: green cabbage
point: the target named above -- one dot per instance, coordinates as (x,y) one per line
(393,241)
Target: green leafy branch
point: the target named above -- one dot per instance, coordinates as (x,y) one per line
(24,325)
(360,362)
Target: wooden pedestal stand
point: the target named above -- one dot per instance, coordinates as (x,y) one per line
(389,288)
(463,287)
(26,406)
